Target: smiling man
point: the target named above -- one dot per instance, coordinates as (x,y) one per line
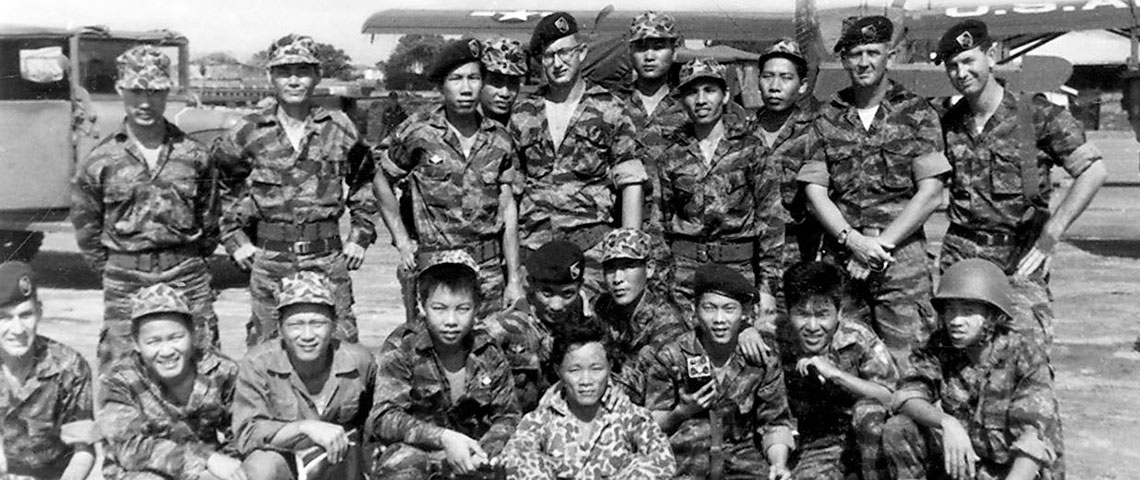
(47,427)
(504,67)
(289,172)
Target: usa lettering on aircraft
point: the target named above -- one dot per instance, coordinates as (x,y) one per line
(1036,7)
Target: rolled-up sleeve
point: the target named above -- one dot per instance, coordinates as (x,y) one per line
(77,420)
(123,424)
(773,416)
(390,420)
(1033,417)
(628,162)
(814,169)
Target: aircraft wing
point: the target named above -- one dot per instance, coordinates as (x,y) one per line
(929,20)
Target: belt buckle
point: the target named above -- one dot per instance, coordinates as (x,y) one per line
(301,248)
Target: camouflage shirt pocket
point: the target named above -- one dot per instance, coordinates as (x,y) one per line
(1005,173)
(896,168)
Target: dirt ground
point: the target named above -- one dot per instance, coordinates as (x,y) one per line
(1096,283)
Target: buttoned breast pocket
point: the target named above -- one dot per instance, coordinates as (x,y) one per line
(118,193)
(595,145)
(686,193)
(265,182)
(734,183)
(1005,173)
(895,170)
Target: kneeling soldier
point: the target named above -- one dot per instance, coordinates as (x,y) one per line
(46,424)
(998,416)
(839,377)
(445,392)
(165,410)
(718,405)
(304,390)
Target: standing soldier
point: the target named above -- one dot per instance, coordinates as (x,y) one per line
(720,200)
(978,402)
(578,150)
(143,206)
(458,174)
(47,427)
(284,170)
(873,178)
(504,67)
(1003,148)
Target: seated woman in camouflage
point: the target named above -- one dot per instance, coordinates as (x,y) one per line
(165,409)
(445,396)
(998,415)
(583,429)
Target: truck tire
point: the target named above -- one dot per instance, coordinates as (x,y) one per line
(20,245)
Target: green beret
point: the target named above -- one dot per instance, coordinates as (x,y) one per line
(16,283)
(722,280)
(551,28)
(865,30)
(557,262)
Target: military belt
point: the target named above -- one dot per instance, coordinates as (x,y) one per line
(154,260)
(480,251)
(308,247)
(292,232)
(718,252)
(585,237)
(983,238)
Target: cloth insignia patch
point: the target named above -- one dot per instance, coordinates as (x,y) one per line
(965,40)
(562,25)
(25,285)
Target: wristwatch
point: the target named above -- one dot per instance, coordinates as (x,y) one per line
(842,238)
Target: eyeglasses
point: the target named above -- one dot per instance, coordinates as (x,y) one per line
(564,54)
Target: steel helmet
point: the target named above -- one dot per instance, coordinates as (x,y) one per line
(976,279)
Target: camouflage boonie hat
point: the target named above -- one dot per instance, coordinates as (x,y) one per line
(698,68)
(458,257)
(505,56)
(159,298)
(625,243)
(305,287)
(653,25)
(784,48)
(144,67)
(291,49)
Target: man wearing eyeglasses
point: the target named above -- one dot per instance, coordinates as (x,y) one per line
(579,153)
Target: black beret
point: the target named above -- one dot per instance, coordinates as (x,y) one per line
(722,280)
(963,36)
(16,283)
(557,262)
(864,30)
(551,28)
(454,54)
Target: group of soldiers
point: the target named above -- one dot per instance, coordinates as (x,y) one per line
(642,284)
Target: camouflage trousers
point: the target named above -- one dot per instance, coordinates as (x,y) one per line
(265,282)
(401,461)
(835,456)
(1032,300)
(191,277)
(915,452)
(743,460)
(895,302)
(492,284)
(273,465)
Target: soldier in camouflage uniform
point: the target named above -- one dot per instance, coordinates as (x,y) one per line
(165,410)
(144,207)
(504,67)
(284,171)
(445,391)
(839,377)
(579,153)
(584,427)
(989,210)
(456,169)
(874,176)
(727,416)
(637,316)
(553,297)
(720,200)
(307,390)
(998,415)
(47,429)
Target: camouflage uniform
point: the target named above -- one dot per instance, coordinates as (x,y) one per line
(413,402)
(840,433)
(526,341)
(1005,402)
(749,415)
(627,443)
(871,175)
(137,227)
(571,189)
(987,199)
(40,420)
(451,201)
(788,151)
(299,196)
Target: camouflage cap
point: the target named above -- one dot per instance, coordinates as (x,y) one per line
(784,48)
(443,257)
(158,298)
(291,49)
(305,287)
(625,243)
(698,68)
(964,35)
(653,25)
(864,30)
(144,67)
(16,283)
(505,56)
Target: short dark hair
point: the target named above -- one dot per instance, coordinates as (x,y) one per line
(805,280)
(801,67)
(578,332)
(453,276)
